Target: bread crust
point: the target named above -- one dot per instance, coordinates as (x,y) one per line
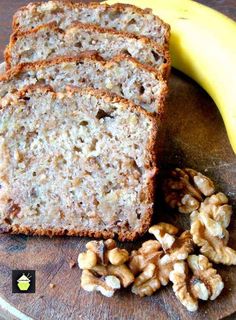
(117,6)
(91,56)
(123,234)
(165,70)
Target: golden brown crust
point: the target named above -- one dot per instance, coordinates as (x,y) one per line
(123,234)
(92,27)
(50,232)
(24,67)
(53,26)
(7,57)
(18,34)
(116,6)
(86,55)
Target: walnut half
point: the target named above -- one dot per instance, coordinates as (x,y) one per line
(205,283)
(194,280)
(176,248)
(186,188)
(179,277)
(104,267)
(208,228)
(154,261)
(144,265)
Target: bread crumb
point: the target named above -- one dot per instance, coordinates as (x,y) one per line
(52,285)
(72,264)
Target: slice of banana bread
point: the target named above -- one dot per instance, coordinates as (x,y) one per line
(75,163)
(122,75)
(118,16)
(48,41)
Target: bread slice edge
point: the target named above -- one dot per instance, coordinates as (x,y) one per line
(123,234)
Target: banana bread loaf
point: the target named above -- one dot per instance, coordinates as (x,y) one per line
(75,163)
(118,16)
(48,41)
(122,75)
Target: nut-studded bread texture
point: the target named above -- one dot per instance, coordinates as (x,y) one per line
(124,17)
(75,163)
(48,41)
(122,75)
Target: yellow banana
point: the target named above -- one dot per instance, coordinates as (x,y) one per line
(203,46)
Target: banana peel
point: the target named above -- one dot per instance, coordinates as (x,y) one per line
(203,46)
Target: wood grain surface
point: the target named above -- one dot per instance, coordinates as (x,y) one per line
(195,137)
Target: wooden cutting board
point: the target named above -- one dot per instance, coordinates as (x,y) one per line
(195,137)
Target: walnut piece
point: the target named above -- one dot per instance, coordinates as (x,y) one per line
(177,248)
(117,256)
(90,282)
(87,260)
(201,281)
(147,282)
(179,278)
(205,283)
(149,252)
(100,248)
(181,248)
(164,232)
(104,267)
(123,273)
(144,265)
(186,188)
(154,261)
(208,228)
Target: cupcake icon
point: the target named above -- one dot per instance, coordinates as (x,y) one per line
(23,282)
